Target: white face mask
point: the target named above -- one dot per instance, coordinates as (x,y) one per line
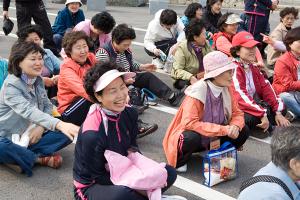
(27,80)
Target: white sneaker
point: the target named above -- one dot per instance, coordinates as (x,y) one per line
(158,63)
(172,197)
(182,169)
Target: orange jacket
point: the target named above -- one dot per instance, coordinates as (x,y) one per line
(70,83)
(189,117)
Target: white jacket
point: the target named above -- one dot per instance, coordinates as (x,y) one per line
(155,32)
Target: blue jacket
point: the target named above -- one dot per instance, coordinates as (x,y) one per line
(51,62)
(3,71)
(258,7)
(64,20)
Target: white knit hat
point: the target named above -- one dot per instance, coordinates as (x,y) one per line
(73,1)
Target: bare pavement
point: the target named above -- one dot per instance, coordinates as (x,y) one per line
(47,183)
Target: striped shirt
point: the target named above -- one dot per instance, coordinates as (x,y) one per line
(121,60)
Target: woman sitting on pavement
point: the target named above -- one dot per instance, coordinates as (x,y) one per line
(97,29)
(193,11)
(50,73)
(286,74)
(188,65)
(211,15)
(163,32)
(118,50)
(209,112)
(66,18)
(255,95)
(93,176)
(284,168)
(287,18)
(29,135)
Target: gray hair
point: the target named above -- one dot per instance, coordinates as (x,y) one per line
(285,145)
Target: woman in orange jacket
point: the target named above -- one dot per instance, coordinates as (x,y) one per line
(208,114)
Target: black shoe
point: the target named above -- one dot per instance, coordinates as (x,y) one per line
(176,98)
(259,133)
(145,128)
(140,109)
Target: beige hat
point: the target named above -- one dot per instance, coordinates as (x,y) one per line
(233,19)
(73,1)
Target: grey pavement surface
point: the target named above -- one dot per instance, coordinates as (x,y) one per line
(51,184)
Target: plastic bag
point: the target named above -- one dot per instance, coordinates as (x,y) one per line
(220,165)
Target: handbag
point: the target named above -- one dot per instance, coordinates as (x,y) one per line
(220,165)
(8,26)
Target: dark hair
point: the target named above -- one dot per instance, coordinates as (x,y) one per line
(103,21)
(221,22)
(234,50)
(291,36)
(24,32)
(123,32)
(18,53)
(93,74)
(194,28)
(210,3)
(190,11)
(168,17)
(285,145)
(71,38)
(287,11)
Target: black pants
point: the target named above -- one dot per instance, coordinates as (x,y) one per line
(151,82)
(116,192)
(77,111)
(180,84)
(37,11)
(163,45)
(192,143)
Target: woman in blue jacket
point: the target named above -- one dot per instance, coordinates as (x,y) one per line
(67,18)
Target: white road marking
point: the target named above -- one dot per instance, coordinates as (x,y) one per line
(10,35)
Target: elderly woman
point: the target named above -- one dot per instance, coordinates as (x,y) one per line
(99,137)
(255,95)
(286,74)
(188,65)
(209,113)
(29,135)
(280,178)
(50,73)
(97,29)
(74,103)
(287,18)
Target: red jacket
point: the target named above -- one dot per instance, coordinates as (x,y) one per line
(285,73)
(263,89)
(70,83)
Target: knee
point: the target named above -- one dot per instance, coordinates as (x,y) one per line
(172,175)
(57,37)
(123,192)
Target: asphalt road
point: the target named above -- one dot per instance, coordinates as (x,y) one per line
(51,184)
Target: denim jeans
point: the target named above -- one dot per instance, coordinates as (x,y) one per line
(50,143)
(291,103)
(57,38)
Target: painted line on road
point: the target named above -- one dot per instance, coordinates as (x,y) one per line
(10,35)
(200,190)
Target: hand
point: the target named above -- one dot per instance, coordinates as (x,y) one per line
(193,80)
(200,75)
(36,134)
(48,82)
(274,6)
(264,123)
(267,39)
(129,81)
(5,14)
(156,52)
(233,131)
(70,130)
(281,120)
(148,67)
(55,79)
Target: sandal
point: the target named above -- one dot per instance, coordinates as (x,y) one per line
(145,128)
(53,161)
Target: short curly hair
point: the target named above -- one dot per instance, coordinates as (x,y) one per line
(122,32)
(291,36)
(168,17)
(18,53)
(190,11)
(93,74)
(71,38)
(103,21)
(289,10)
(24,32)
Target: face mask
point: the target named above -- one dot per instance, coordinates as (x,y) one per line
(27,80)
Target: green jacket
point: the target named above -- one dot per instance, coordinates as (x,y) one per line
(186,64)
